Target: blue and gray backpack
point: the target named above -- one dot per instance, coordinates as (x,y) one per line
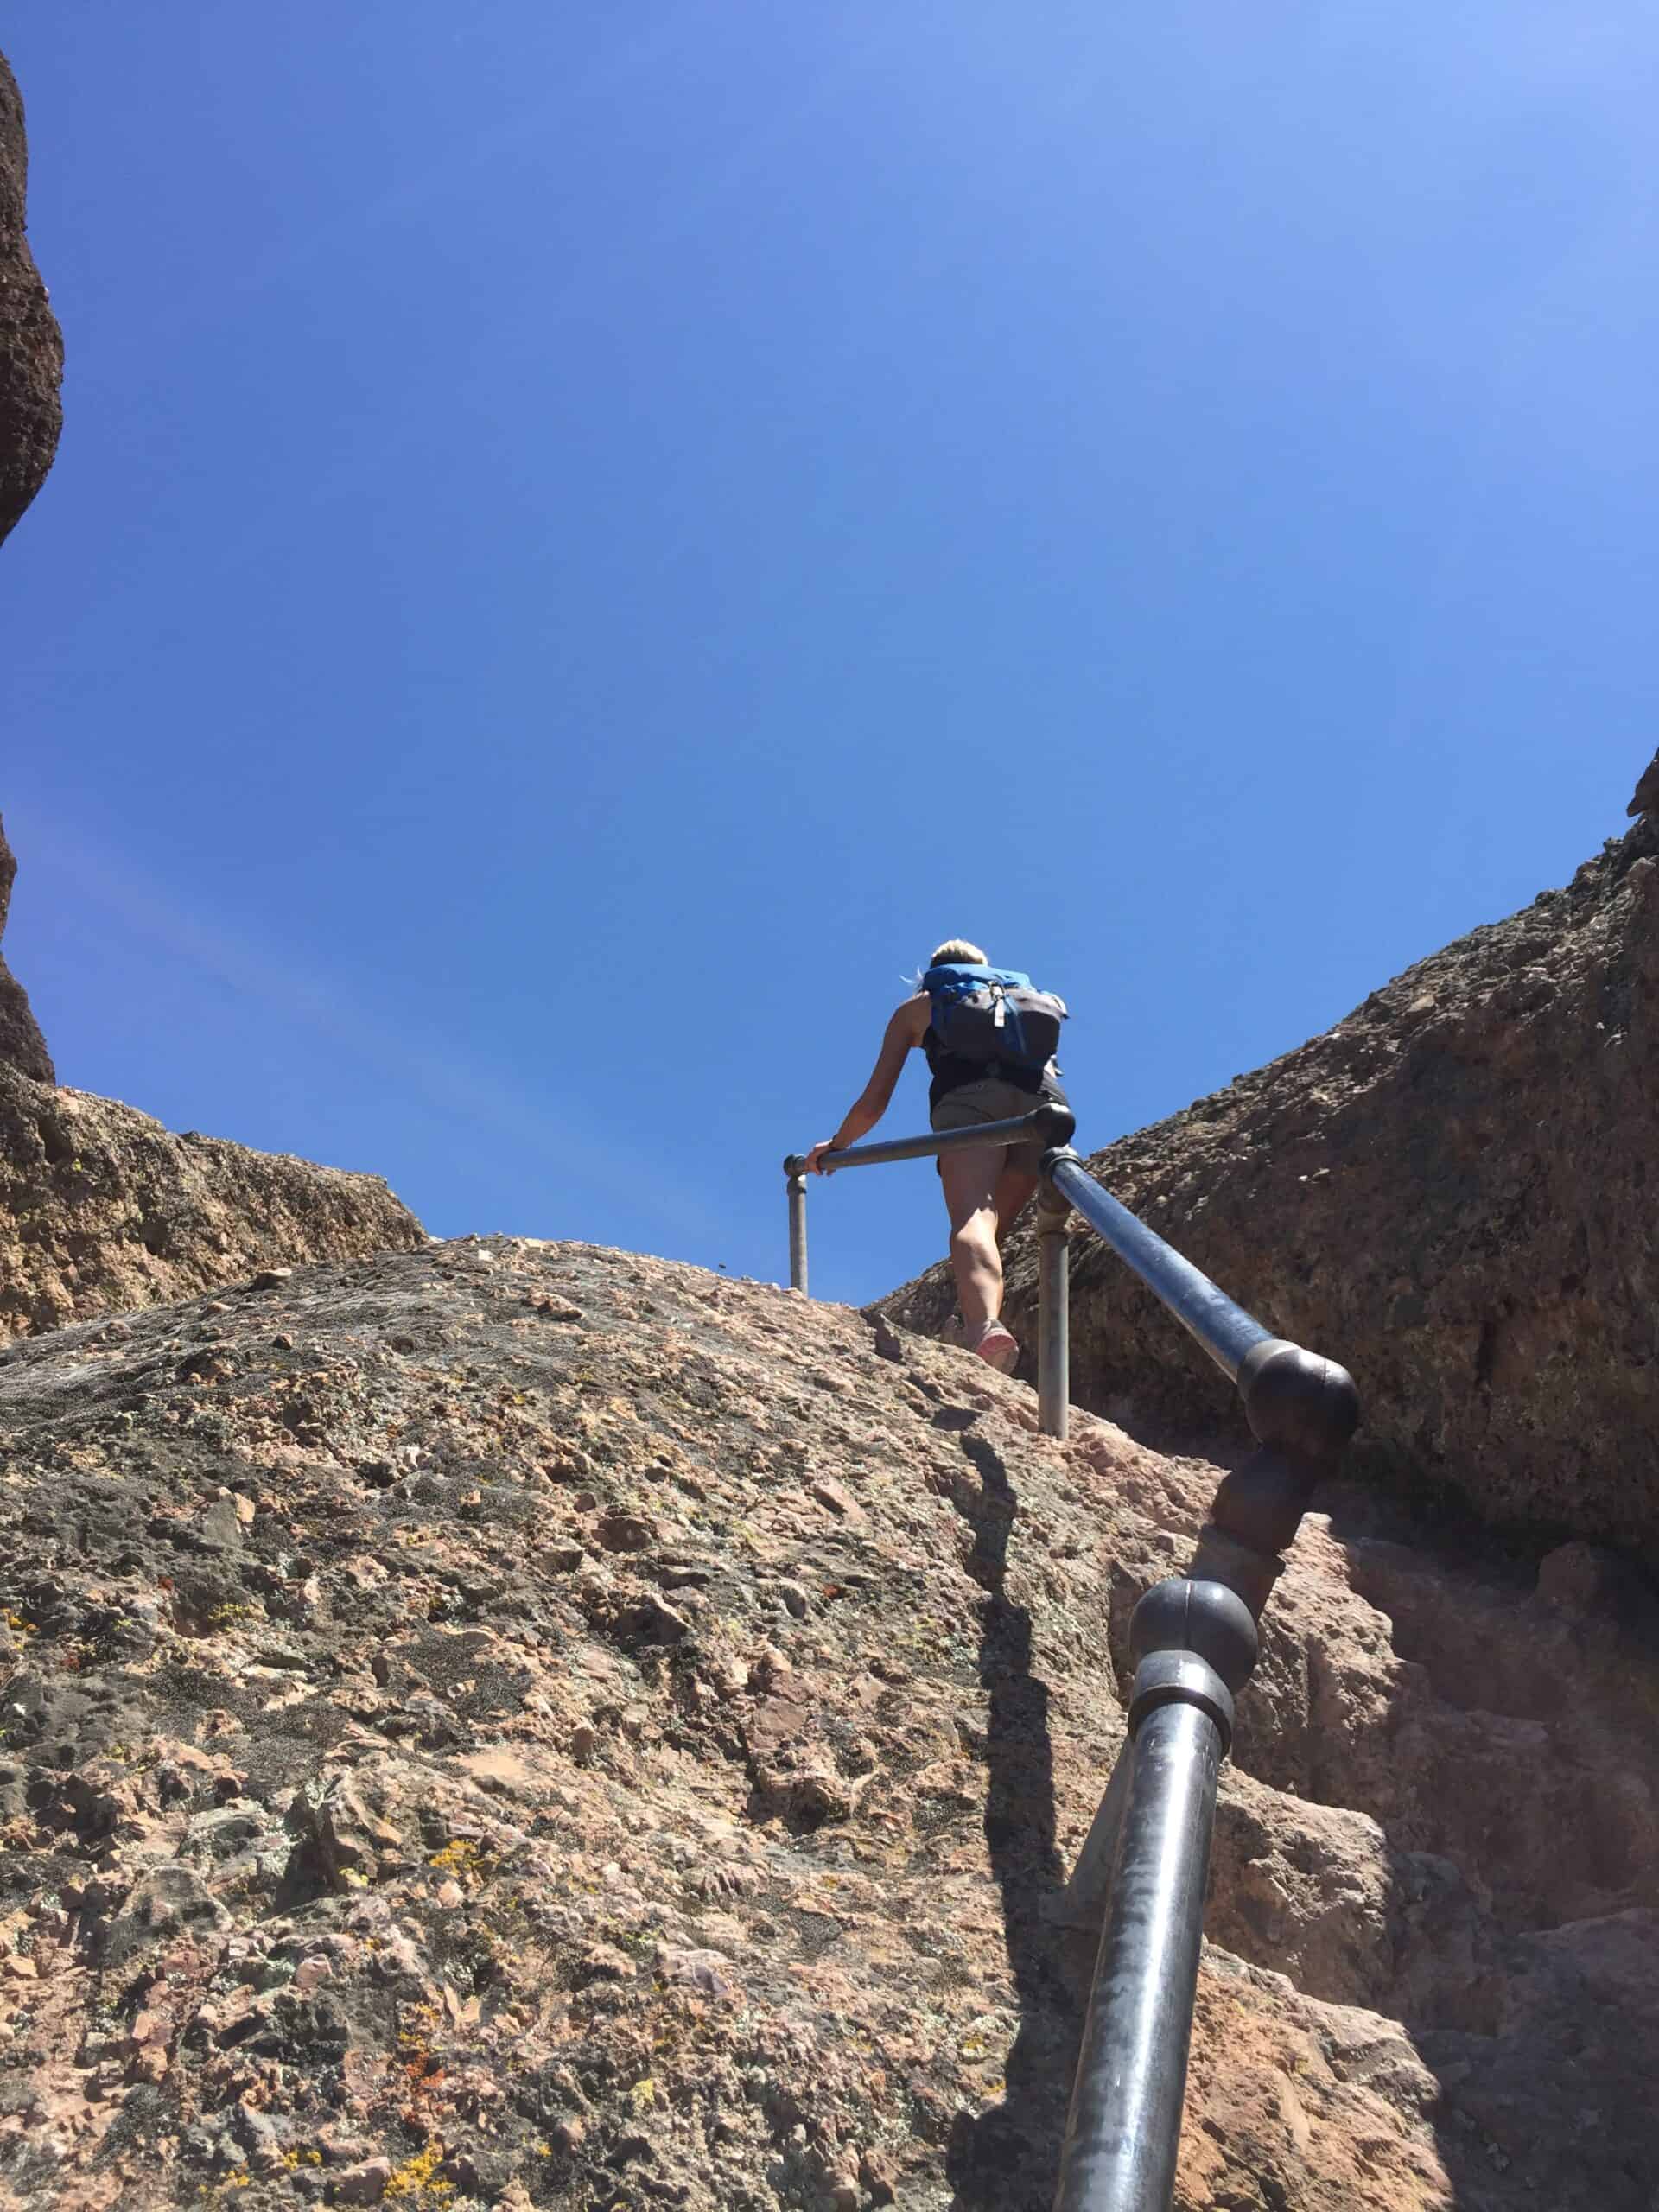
(994,1014)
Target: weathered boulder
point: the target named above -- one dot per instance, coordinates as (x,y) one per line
(1645,798)
(101,1208)
(31,345)
(31,366)
(21,1046)
(1455,1191)
(521,1724)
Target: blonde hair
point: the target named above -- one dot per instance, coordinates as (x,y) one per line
(956,950)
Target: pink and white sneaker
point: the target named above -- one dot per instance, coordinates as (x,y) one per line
(995,1345)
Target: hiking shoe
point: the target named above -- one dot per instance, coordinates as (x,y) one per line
(994,1345)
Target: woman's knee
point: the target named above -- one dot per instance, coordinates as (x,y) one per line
(976,1234)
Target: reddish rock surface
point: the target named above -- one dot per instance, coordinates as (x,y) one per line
(31,346)
(1455,1191)
(519,1725)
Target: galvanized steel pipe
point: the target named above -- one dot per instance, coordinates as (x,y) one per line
(798,1232)
(1038,1127)
(1054,1318)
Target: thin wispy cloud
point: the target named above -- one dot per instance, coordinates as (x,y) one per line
(424,1067)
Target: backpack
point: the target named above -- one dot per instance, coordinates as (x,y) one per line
(994,1014)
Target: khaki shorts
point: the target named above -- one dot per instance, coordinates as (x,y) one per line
(992,1099)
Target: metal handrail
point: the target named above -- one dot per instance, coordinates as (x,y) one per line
(1226,1332)
(1050,1124)
(1141,1874)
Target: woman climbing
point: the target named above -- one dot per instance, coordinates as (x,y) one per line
(988,1037)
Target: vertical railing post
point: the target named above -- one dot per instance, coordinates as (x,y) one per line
(1050,1124)
(1053,1314)
(797,1226)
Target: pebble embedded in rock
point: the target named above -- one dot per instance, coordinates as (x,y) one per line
(363,2184)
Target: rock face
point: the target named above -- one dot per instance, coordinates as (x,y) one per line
(101,1208)
(1645,798)
(21,1046)
(31,346)
(1455,1191)
(31,364)
(515,1724)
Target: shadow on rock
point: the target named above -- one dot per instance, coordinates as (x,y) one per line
(1009,2156)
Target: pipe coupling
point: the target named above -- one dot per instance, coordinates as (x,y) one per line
(1181,1678)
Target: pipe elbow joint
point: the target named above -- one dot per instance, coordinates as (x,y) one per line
(1199,1618)
(1054,1125)
(1297,1401)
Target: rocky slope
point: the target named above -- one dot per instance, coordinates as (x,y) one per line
(102,1207)
(31,346)
(515,1724)
(1453,1191)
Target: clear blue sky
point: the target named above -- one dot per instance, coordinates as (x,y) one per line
(588,537)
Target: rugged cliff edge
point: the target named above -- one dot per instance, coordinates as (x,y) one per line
(516,1724)
(21,1046)
(31,346)
(31,366)
(102,1207)
(1455,1191)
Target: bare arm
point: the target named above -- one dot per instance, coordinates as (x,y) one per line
(904,1031)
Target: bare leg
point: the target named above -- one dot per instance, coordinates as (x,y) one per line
(970,1180)
(1014,1188)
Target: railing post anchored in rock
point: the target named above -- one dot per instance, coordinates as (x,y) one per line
(1049,1124)
(796,1226)
(1053,1314)
(1141,1872)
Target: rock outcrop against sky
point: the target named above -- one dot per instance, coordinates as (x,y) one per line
(31,346)
(101,1208)
(21,1046)
(520,1724)
(31,365)
(1455,1191)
